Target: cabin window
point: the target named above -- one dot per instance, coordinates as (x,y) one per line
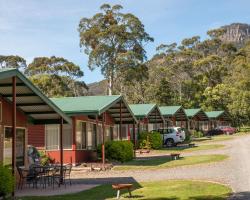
(67,136)
(52,137)
(99,134)
(81,135)
(20,146)
(107,133)
(124,133)
(115,132)
(94,136)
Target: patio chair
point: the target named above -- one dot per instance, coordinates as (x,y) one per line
(25,177)
(67,172)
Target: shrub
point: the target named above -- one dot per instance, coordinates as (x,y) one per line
(150,140)
(197,134)
(143,141)
(155,140)
(6,181)
(117,150)
(187,135)
(44,158)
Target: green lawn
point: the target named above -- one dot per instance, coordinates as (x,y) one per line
(160,190)
(166,162)
(219,138)
(186,148)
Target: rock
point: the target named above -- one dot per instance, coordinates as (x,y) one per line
(237,33)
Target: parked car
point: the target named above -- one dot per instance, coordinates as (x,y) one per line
(172,136)
(222,130)
(214,131)
(227,129)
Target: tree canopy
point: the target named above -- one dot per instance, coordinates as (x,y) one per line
(56,76)
(113,41)
(12,61)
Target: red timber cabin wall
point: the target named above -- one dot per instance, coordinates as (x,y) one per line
(6,121)
(36,137)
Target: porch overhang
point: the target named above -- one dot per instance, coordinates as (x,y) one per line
(173,112)
(95,106)
(219,115)
(151,112)
(29,99)
(196,114)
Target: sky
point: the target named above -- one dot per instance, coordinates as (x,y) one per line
(33,28)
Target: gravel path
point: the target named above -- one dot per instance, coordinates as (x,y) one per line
(234,171)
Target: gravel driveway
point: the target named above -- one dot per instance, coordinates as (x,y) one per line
(234,172)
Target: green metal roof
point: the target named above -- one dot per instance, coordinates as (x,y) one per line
(150,111)
(196,112)
(29,98)
(169,110)
(192,112)
(86,104)
(214,114)
(142,110)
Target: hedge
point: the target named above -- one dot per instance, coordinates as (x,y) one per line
(117,150)
(6,181)
(150,140)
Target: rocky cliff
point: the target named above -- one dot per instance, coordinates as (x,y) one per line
(237,33)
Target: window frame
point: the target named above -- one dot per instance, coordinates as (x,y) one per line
(25,140)
(82,121)
(45,138)
(58,135)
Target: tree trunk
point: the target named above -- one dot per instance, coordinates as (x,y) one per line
(110,86)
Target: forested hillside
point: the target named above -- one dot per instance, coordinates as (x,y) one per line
(213,74)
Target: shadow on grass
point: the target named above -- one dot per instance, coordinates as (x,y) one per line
(179,148)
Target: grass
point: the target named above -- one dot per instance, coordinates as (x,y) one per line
(186,148)
(160,190)
(218,138)
(160,162)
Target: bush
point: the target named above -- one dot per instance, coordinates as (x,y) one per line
(150,140)
(6,181)
(117,150)
(44,158)
(197,134)
(187,135)
(155,139)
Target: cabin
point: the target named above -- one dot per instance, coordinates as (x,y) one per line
(95,120)
(148,115)
(197,119)
(174,116)
(22,104)
(218,118)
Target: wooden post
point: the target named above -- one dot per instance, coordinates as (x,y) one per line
(97,129)
(103,139)
(155,121)
(73,160)
(120,127)
(147,124)
(134,138)
(61,151)
(13,131)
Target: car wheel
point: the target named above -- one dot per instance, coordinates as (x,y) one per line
(169,142)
